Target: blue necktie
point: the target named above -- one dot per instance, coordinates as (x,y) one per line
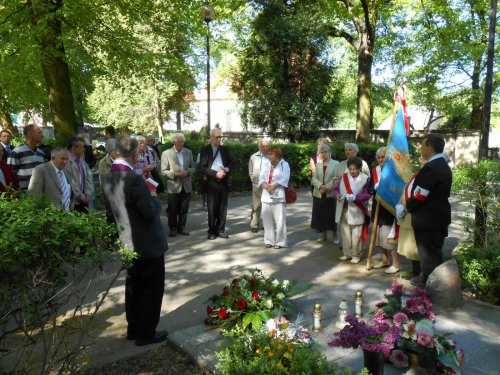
(66,196)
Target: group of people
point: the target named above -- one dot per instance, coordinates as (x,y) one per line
(341,193)
(129,179)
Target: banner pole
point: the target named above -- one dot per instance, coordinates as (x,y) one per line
(377,210)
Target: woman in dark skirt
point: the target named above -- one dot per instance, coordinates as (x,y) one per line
(323,212)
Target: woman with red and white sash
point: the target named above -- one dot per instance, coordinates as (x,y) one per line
(352,194)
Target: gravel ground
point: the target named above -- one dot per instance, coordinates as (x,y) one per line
(164,360)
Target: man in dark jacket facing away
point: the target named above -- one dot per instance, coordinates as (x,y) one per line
(137,214)
(429,205)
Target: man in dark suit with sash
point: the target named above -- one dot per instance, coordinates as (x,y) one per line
(137,214)
(429,205)
(215,164)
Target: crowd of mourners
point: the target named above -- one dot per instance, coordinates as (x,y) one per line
(133,172)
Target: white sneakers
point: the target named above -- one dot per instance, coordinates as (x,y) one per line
(354,260)
(380,265)
(392,269)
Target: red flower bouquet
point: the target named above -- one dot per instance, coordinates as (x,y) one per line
(249,301)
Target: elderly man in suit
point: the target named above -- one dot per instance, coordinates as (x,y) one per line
(50,180)
(178,166)
(137,214)
(5,137)
(215,165)
(429,206)
(79,174)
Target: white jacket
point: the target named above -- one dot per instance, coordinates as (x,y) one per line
(281,175)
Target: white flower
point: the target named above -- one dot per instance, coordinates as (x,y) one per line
(276,282)
(285,283)
(269,303)
(280,296)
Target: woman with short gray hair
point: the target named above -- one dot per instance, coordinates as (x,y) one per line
(323,210)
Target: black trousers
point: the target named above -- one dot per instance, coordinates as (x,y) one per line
(430,249)
(178,207)
(144,289)
(217,193)
(82,207)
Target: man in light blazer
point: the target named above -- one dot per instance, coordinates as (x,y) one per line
(178,166)
(79,174)
(50,180)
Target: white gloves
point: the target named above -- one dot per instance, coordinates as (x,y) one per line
(350,197)
(400,211)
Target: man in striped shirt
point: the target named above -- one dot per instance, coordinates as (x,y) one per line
(24,158)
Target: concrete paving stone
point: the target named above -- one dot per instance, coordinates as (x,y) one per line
(197,268)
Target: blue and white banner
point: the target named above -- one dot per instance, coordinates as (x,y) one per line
(397,167)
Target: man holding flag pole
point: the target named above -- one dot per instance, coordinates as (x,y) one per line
(396,171)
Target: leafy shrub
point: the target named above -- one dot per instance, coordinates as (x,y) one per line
(263,353)
(40,276)
(479,256)
(480,267)
(296,154)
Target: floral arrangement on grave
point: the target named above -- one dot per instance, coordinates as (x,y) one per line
(279,346)
(250,300)
(402,329)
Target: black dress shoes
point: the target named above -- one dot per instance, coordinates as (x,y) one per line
(211,236)
(222,235)
(155,339)
(173,232)
(255,230)
(183,232)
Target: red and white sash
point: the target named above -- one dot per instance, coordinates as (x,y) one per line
(377,174)
(347,178)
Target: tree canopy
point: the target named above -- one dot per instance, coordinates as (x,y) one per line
(298,67)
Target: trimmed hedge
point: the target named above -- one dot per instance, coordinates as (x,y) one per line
(296,154)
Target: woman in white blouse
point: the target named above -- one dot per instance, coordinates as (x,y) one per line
(274,178)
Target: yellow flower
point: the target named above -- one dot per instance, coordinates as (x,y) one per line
(270,354)
(291,350)
(280,347)
(257,351)
(286,355)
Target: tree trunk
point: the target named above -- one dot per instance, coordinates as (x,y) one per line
(364,116)
(178,120)
(7,124)
(476,120)
(488,89)
(55,68)
(159,118)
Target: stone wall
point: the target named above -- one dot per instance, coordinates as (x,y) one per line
(462,146)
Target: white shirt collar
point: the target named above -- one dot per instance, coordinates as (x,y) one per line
(123,162)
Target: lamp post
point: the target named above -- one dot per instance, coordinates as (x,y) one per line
(208,14)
